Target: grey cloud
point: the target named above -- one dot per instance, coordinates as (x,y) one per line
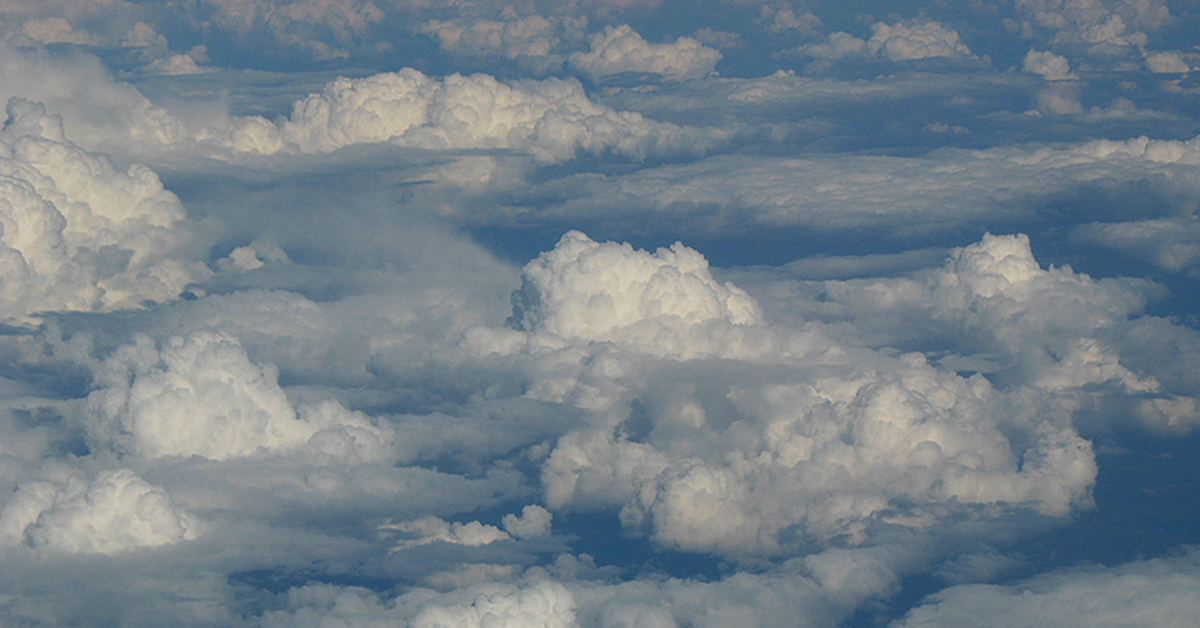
(1158,592)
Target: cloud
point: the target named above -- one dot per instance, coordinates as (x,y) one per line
(113,512)
(915,196)
(550,119)
(826,452)
(324,29)
(902,41)
(1048,65)
(1158,592)
(537,42)
(202,396)
(79,234)
(1170,243)
(543,604)
(604,291)
(1167,63)
(619,49)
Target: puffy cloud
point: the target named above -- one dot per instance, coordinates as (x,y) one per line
(902,41)
(829,451)
(534,521)
(1167,63)
(1048,65)
(550,119)
(619,49)
(1157,592)
(202,396)
(437,530)
(326,29)
(605,291)
(542,604)
(79,234)
(114,511)
(534,41)
(1097,22)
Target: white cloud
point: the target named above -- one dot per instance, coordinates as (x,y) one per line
(902,41)
(534,521)
(1167,63)
(1158,592)
(605,291)
(1170,243)
(534,40)
(1097,22)
(542,604)
(1048,65)
(619,49)
(202,396)
(912,195)
(79,234)
(818,454)
(428,530)
(550,119)
(114,511)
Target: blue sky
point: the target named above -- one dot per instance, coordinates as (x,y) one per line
(599,314)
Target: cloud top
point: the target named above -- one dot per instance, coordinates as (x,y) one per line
(550,119)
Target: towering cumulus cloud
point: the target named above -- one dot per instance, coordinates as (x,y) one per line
(113,512)
(79,234)
(551,119)
(809,442)
(620,49)
(202,396)
(607,291)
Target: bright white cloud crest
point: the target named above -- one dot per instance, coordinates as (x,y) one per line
(550,119)
(115,511)
(202,396)
(620,49)
(279,348)
(79,234)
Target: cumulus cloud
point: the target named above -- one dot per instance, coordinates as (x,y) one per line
(1167,63)
(825,453)
(1158,592)
(80,234)
(550,119)
(535,41)
(542,604)
(605,291)
(619,49)
(1048,65)
(113,512)
(902,41)
(202,396)
(1103,22)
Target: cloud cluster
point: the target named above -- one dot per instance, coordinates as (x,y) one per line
(534,41)
(813,442)
(550,119)
(620,49)
(79,234)
(1158,592)
(112,512)
(542,604)
(606,291)
(902,41)
(202,396)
